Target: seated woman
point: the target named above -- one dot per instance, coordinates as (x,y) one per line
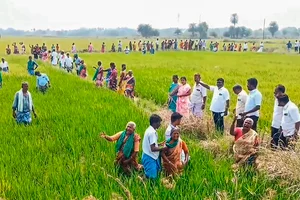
(172,162)
(246,143)
(127,148)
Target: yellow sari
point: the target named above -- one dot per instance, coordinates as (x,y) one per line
(122,86)
(245,147)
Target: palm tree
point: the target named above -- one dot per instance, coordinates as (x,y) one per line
(234,19)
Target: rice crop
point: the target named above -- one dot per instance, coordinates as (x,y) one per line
(60,156)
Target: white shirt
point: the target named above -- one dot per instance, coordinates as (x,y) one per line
(290,117)
(62,59)
(219,99)
(277,115)
(54,58)
(168,131)
(198,93)
(254,99)
(157,42)
(296,44)
(69,62)
(3,65)
(245,46)
(150,138)
(240,104)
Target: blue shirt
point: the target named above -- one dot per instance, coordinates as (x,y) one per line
(42,80)
(254,99)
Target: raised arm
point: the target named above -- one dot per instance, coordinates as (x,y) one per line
(232,127)
(205,85)
(111,138)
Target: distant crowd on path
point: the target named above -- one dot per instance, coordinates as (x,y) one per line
(42,52)
(289,46)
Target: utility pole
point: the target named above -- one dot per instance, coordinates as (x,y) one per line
(264,29)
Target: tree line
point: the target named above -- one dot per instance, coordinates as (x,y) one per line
(194,30)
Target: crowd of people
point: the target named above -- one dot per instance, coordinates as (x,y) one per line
(42,52)
(184,101)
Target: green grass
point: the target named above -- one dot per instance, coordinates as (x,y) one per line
(61,157)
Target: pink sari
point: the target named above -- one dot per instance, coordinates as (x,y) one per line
(90,48)
(182,105)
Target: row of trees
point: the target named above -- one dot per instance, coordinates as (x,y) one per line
(200,30)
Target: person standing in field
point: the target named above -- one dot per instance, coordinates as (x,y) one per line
(253,102)
(289,46)
(69,63)
(127,148)
(120,46)
(219,104)
(240,104)
(1,80)
(83,70)
(183,92)
(290,123)
(157,44)
(4,65)
(130,85)
(77,61)
(103,47)
(98,76)
(8,50)
(296,46)
(122,82)
(198,97)
(277,116)
(172,101)
(245,47)
(54,57)
(57,48)
(31,66)
(151,149)
(90,48)
(23,106)
(134,46)
(42,82)
(62,60)
(113,79)
(73,50)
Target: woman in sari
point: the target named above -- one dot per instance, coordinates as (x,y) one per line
(113,81)
(172,162)
(98,76)
(246,143)
(103,48)
(8,50)
(173,99)
(82,70)
(130,84)
(127,148)
(122,82)
(90,48)
(183,101)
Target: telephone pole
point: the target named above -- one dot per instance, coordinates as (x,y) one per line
(264,29)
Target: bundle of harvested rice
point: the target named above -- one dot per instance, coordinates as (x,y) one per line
(91,197)
(279,164)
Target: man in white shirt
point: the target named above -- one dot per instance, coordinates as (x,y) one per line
(277,116)
(219,104)
(296,46)
(157,44)
(151,149)
(253,102)
(69,63)
(175,121)
(198,97)
(4,65)
(54,57)
(120,46)
(62,59)
(245,46)
(240,104)
(290,122)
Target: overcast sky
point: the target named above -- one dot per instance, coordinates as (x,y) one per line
(73,14)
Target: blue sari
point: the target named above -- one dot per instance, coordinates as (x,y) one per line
(173,99)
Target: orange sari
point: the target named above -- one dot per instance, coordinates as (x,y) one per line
(174,156)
